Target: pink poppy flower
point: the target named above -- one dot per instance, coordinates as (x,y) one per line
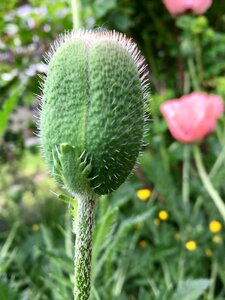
(193,116)
(176,7)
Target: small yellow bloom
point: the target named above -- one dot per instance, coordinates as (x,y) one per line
(208,252)
(191,245)
(156,221)
(143,244)
(144,194)
(217,239)
(215,226)
(35,227)
(163,215)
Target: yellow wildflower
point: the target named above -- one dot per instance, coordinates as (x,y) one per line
(163,215)
(215,226)
(191,245)
(217,239)
(208,252)
(35,227)
(143,244)
(144,194)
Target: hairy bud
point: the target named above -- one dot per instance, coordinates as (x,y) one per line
(92,118)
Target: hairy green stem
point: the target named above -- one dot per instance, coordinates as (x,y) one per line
(83,246)
(75,4)
(193,75)
(186,83)
(198,57)
(186,172)
(207,183)
(213,280)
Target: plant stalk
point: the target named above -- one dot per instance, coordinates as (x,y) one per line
(186,175)
(213,280)
(193,75)
(198,57)
(83,246)
(76,8)
(207,183)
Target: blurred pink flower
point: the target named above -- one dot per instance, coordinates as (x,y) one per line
(176,7)
(193,116)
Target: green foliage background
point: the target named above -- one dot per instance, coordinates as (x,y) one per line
(135,256)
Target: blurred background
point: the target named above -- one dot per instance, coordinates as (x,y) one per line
(160,235)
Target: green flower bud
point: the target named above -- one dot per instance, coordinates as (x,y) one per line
(92,116)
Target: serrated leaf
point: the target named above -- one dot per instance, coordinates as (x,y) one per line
(122,230)
(191,289)
(67,199)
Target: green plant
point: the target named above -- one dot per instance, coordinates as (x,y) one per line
(92,125)
(8,107)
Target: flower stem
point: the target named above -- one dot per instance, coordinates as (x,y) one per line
(75,4)
(198,57)
(213,280)
(83,246)
(186,173)
(207,183)
(193,75)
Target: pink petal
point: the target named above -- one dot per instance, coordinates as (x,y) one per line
(193,116)
(176,7)
(200,6)
(217,105)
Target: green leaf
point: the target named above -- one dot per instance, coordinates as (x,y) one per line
(72,202)
(122,22)
(102,7)
(6,292)
(7,109)
(67,199)
(129,223)
(184,22)
(63,262)
(191,289)
(123,229)
(102,230)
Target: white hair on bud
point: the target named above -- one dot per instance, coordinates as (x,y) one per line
(92,36)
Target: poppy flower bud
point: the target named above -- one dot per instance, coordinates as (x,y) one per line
(92,117)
